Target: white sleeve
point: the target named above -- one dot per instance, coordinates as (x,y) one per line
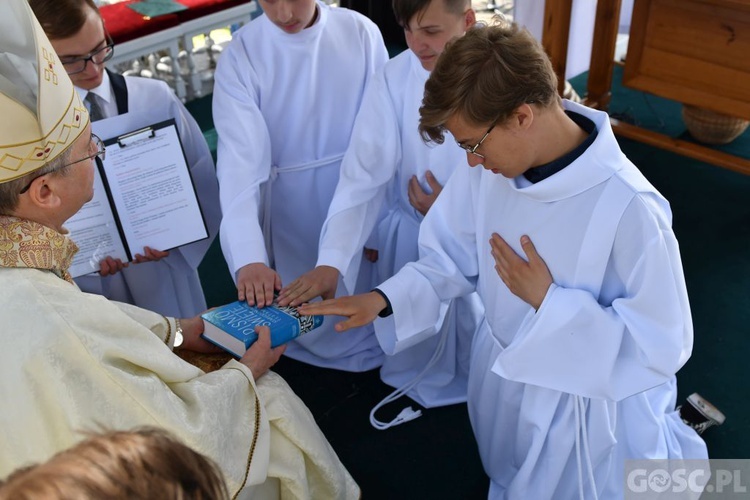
(375,48)
(368,166)
(244,158)
(636,339)
(447,267)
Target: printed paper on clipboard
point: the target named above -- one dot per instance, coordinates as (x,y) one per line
(143,196)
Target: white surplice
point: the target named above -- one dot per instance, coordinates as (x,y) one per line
(594,368)
(386,150)
(284,106)
(171,285)
(75,362)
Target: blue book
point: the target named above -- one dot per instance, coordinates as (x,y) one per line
(232,327)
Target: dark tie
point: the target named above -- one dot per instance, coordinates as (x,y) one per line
(95,110)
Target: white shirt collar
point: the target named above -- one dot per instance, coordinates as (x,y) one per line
(103,91)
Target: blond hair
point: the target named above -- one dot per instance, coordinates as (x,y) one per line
(143,463)
(484,76)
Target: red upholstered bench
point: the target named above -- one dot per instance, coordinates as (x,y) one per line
(125,24)
(136,35)
(201,8)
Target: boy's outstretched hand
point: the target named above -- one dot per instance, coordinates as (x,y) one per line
(359,309)
(321,281)
(530,280)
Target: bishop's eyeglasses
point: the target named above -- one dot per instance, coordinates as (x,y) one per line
(99,155)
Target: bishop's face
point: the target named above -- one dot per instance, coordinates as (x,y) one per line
(291,16)
(89,39)
(78,183)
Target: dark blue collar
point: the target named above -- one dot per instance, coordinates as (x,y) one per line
(537,174)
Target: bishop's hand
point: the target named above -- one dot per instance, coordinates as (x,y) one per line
(192,328)
(261,356)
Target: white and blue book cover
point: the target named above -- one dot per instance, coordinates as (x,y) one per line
(232,327)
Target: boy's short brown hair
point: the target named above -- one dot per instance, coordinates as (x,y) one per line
(119,465)
(484,76)
(61,18)
(404,10)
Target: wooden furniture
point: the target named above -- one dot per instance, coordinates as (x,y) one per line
(690,51)
(693,51)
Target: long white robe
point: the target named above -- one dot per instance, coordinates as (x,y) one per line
(73,362)
(385,151)
(284,106)
(171,285)
(596,363)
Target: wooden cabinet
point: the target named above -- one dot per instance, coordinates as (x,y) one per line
(692,51)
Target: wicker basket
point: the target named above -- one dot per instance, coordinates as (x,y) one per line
(711,127)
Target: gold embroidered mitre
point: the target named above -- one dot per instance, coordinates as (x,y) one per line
(41,113)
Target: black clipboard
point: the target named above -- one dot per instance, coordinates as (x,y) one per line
(129,181)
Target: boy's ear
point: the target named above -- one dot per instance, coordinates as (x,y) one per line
(470,18)
(524,116)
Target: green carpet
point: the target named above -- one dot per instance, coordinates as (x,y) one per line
(655,113)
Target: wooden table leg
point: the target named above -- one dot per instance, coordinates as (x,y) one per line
(555,34)
(603,53)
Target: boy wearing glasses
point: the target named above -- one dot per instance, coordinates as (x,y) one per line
(287,91)
(572,253)
(166,282)
(384,171)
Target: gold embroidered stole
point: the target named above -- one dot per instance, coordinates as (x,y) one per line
(24,243)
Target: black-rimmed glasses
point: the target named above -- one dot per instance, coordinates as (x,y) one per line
(100,56)
(100,153)
(473,149)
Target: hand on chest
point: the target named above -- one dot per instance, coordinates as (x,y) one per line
(556,229)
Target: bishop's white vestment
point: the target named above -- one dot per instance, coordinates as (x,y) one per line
(386,150)
(171,285)
(74,362)
(588,380)
(284,106)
